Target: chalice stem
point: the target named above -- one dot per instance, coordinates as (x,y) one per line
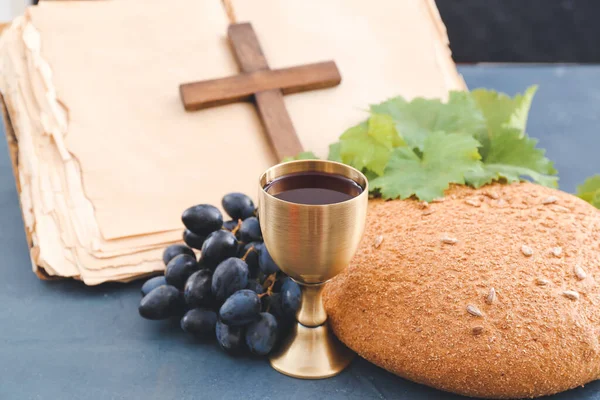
(311,351)
(311,312)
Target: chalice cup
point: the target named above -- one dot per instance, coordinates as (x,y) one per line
(312,243)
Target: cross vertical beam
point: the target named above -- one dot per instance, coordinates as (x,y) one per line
(264,85)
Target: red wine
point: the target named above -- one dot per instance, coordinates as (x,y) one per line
(313,188)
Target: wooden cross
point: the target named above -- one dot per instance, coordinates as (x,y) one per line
(266,86)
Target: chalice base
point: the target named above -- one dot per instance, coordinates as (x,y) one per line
(311,353)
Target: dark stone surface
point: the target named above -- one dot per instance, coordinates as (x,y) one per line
(63,340)
(522,30)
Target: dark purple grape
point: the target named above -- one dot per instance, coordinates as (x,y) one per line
(153,283)
(199,322)
(230,225)
(175,250)
(261,335)
(250,231)
(240,308)
(201,264)
(261,278)
(240,250)
(161,303)
(229,277)
(217,247)
(238,206)
(291,297)
(230,338)
(255,286)
(179,270)
(279,283)
(193,240)
(272,304)
(251,257)
(265,262)
(197,291)
(202,219)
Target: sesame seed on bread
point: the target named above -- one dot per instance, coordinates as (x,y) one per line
(451,297)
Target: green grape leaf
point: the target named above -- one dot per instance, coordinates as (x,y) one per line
(501,111)
(447,157)
(370,175)
(305,155)
(591,184)
(335,152)
(512,157)
(382,128)
(369,144)
(418,147)
(417,118)
(590,190)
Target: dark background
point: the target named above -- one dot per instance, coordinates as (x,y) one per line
(523,30)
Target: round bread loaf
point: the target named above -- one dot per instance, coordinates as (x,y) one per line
(488,293)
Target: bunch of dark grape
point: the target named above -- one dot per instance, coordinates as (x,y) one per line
(234,291)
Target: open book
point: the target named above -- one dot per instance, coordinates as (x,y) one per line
(107,158)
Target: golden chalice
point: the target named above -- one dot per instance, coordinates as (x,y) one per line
(312,240)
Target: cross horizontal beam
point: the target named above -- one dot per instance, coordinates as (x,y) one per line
(217,92)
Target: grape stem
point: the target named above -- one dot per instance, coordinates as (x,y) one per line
(269,283)
(237,228)
(248,252)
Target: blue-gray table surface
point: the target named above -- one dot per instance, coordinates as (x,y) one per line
(63,340)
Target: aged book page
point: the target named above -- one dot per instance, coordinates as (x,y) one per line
(59,246)
(143,158)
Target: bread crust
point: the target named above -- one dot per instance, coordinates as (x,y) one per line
(403,305)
